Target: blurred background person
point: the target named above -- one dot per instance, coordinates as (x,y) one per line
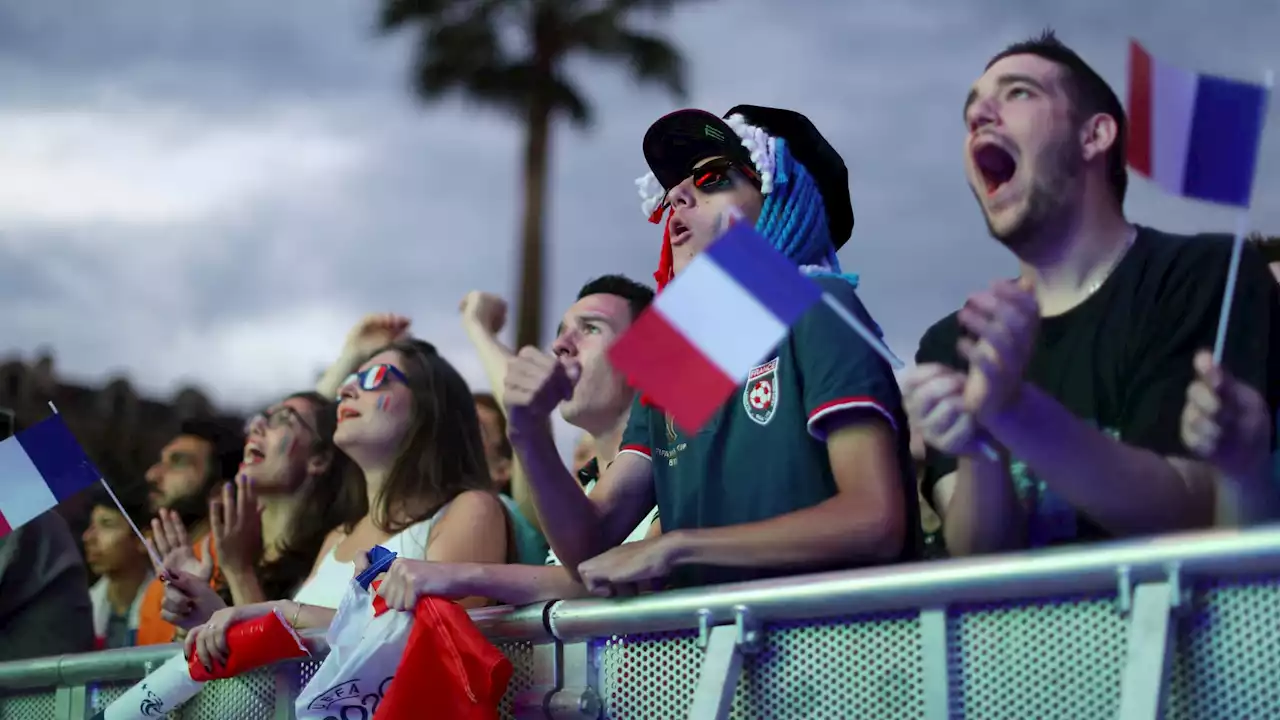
(268,527)
(203,455)
(44,592)
(120,560)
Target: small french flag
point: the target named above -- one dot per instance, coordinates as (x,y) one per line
(39,468)
(1196,136)
(716,321)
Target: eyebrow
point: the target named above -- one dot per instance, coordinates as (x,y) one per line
(1003,81)
(595,316)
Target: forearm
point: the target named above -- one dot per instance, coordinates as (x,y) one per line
(334,376)
(1126,490)
(303,617)
(983,514)
(244,586)
(1248,500)
(493,357)
(570,521)
(515,584)
(831,532)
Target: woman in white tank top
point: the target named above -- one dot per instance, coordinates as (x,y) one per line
(407,421)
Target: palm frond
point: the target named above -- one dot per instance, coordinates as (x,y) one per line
(650,58)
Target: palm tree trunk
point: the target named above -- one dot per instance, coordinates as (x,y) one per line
(532,273)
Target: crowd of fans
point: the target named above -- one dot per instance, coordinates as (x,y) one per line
(1074,403)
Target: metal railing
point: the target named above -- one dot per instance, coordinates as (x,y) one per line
(1180,627)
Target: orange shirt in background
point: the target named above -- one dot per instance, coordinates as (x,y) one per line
(151,629)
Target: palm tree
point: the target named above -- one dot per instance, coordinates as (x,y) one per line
(510,54)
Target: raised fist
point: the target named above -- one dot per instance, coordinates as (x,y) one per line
(374,332)
(484,310)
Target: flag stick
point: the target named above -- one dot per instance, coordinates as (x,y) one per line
(881,349)
(852,321)
(1229,294)
(151,551)
(1237,248)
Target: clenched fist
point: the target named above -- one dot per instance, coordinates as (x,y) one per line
(375,332)
(484,311)
(535,384)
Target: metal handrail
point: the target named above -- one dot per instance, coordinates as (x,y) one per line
(499,624)
(1109,567)
(1020,576)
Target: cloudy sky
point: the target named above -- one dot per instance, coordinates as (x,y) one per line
(212,193)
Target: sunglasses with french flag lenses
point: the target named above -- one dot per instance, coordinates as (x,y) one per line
(715,176)
(373,377)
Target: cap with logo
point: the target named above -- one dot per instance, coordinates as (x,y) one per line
(679,140)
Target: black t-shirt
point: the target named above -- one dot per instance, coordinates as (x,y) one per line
(764,453)
(1122,358)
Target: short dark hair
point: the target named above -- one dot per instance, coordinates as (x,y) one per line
(133,496)
(1090,95)
(487,400)
(637,296)
(1267,245)
(228,446)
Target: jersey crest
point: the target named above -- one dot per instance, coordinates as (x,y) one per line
(760,394)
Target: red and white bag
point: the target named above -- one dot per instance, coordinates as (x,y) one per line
(364,651)
(389,665)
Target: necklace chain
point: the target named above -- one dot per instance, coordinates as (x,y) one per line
(1095,285)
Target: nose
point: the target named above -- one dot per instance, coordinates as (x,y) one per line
(153,475)
(565,344)
(682,196)
(347,391)
(982,113)
(257,425)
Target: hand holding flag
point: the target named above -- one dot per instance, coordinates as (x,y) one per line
(1198,136)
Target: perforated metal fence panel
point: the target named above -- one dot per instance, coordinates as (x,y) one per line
(1228,660)
(521,656)
(34,705)
(246,697)
(847,668)
(1057,660)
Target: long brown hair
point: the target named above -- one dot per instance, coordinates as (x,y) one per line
(326,501)
(441,454)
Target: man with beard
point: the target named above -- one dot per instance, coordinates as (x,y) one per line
(1051,403)
(191,466)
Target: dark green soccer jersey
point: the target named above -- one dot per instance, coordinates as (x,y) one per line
(764,453)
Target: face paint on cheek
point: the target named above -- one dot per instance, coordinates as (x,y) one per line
(384,403)
(285,446)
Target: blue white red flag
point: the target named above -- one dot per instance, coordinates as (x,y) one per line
(39,468)
(1195,135)
(716,321)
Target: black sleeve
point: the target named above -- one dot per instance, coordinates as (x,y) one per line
(1183,318)
(938,346)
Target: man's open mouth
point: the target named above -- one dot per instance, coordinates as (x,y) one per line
(996,166)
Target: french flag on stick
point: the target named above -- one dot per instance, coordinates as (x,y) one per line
(716,320)
(39,468)
(1196,136)
(705,332)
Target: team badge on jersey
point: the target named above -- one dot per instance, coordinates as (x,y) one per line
(760,394)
